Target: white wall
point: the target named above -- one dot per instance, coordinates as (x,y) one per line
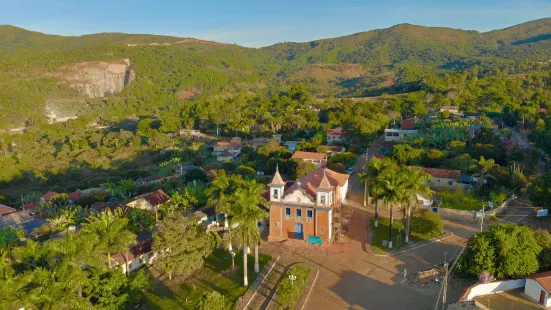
(344,192)
(494,287)
(297,195)
(533,290)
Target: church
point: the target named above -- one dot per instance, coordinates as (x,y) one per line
(304,209)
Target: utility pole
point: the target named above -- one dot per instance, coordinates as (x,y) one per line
(482,219)
(445,282)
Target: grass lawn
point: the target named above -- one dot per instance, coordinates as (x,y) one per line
(381,233)
(288,293)
(459,200)
(185,293)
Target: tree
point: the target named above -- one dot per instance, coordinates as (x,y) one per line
(371,174)
(506,250)
(177,203)
(182,245)
(303,168)
(211,301)
(196,174)
(416,184)
(540,191)
(391,188)
(111,231)
(485,166)
(405,154)
(112,289)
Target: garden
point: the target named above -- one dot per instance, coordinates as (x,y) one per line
(291,286)
(216,275)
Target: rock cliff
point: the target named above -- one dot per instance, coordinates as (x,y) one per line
(98,79)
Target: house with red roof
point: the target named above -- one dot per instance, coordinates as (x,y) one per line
(137,256)
(318,159)
(225,146)
(150,201)
(304,210)
(538,288)
(335,135)
(410,123)
(443,178)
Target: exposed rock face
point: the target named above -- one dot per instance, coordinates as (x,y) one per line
(98,79)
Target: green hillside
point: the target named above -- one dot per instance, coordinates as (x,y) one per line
(180,68)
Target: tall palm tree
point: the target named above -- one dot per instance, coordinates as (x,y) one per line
(482,175)
(111,231)
(222,196)
(370,177)
(416,184)
(391,187)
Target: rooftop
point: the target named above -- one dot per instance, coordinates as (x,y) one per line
(335,131)
(544,279)
(442,173)
(311,182)
(49,196)
(227,143)
(5,209)
(155,198)
(309,155)
(143,247)
(409,123)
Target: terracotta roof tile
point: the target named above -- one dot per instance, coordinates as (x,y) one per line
(409,123)
(49,196)
(544,279)
(73,196)
(155,198)
(30,206)
(5,209)
(442,173)
(143,247)
(309,155)
(335,131)
(310,182)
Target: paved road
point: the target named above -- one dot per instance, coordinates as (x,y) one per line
(520,139)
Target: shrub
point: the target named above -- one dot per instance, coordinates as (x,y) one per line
(499,196)
(428,225)
(246,172)
(338,167)
(348,159)
(303,168)
(211,301)
(196,174)
(288,292)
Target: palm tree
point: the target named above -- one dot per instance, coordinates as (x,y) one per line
(416,184)
(391,187)
(372,172)
(111,231)
(482,175)
(222,196)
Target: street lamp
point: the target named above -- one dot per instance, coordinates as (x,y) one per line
(292,278)
(232,253)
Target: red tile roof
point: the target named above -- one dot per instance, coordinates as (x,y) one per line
(73,196)
(143,247)
(334,132)
(379,156)
(442,173)
(310,182)
(544,279)
(155,198)
(309,155)
(30,207)
(49,196)
(409,123)
(227,143)
(5,209)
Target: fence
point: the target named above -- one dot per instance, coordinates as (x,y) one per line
(452,214)
(481,289)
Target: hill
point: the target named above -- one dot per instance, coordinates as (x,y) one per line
(34,75)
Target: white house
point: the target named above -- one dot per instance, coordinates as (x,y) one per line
(425,202)
(538,288)
(334,136)
(396,135)
(150,201)
(233,146)
(226,156)
(318,159)
(137,256)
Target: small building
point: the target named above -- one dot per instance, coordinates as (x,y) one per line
(291,145)
(150,201)
(397,135)
(73,196)
(226,156)
(30,208)
(183,169)
(318,159)
(154,179)
(424,201)
(277,137)
(331,149)
(137,256)
(443,178)
(48,196)
(233,146)
(335,135)
(258,142)
(192,133)
(410,123)
(304,209)
(474,129)
(9,217)
(451,109)
(538,288)
(6,210)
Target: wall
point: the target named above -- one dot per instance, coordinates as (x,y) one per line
(481,289)
(451,214)
(533,290)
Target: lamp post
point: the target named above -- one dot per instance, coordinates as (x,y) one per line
(292,278)
(232,253)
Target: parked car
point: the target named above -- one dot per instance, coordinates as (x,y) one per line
(350,170)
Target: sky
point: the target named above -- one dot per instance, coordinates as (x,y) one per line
(262,22)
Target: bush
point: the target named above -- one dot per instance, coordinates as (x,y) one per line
(246,172)
(337,167)
(196,174)
(211,301)
(348,159)
(288,292)
(303,168)
(428,225)
(499,196)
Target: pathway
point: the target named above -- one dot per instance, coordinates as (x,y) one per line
(267,289)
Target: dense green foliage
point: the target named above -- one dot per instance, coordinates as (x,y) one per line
(288,292)
(506,250)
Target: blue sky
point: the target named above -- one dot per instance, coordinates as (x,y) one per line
(262,22)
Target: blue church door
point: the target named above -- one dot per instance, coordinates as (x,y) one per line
(298,231)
